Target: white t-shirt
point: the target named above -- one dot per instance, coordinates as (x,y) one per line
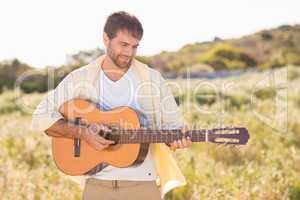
(122,93)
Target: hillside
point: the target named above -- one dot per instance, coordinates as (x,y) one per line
(262,50)
(265,49)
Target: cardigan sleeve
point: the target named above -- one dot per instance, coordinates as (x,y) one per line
(170,113)
(46,113)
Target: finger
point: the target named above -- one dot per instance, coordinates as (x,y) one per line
(189,141)
(109,142)
(98,146)
(105,141)
(99,141)
(173,148)
(174,144)
(179,144)
(184,142)
(184,129)
(105,128)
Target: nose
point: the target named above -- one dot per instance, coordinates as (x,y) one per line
(129,52)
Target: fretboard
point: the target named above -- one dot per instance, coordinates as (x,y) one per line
(158,136)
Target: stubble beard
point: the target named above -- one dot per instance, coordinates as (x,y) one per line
(116,59)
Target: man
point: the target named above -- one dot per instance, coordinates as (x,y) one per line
(121,78)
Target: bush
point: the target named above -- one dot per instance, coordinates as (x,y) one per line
(236,102)
(266,93)
(8,103)
(205,98)
(37,82)
(266,35)
(293,73)
(224,56)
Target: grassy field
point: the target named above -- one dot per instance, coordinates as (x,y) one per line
(268,168)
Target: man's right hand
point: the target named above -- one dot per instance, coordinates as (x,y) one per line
(92,137)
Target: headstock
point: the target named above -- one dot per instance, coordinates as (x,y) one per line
(229,135)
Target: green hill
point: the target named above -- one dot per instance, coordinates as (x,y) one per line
(265,49)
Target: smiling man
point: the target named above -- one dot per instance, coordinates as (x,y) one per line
(119,78)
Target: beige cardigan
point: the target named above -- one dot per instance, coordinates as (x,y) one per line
(154,97)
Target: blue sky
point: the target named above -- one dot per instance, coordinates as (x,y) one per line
(43,32)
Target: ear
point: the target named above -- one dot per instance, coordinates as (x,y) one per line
(105,39)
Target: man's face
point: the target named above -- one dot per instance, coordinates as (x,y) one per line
(122,48)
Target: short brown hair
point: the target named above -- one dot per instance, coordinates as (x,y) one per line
(123,21)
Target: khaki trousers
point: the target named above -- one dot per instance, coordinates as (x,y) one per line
(96,189)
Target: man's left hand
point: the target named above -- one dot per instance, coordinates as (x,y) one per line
(183,143)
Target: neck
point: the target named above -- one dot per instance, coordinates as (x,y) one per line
(112,71)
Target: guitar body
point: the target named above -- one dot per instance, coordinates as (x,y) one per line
(119,155)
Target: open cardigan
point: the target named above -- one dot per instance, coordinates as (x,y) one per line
(156,101)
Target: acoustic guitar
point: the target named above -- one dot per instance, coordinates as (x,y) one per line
(76,157)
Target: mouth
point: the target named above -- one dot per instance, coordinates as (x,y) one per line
(125,58)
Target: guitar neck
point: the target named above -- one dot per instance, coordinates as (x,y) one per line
(158,136)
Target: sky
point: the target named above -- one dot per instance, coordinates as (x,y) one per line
(42,32)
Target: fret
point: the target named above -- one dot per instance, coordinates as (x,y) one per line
(168,137)
(160,136)
(121,138)
(180,136)
(147,137)
(194,136)
(142,137)
(151,138)
(126,138)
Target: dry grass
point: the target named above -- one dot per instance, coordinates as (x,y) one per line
(268,168)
